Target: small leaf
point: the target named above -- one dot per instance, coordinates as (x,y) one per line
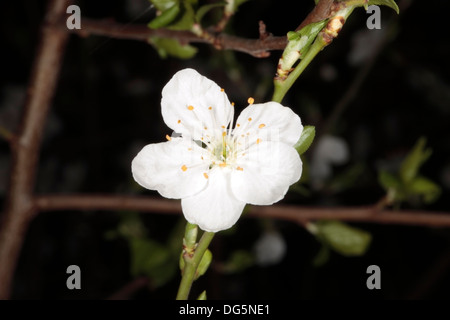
(306,139)
(202,295)
(388,181)
(389,3)
(187,19)
(426,188)
(163,5)
(204,264)
(344,239)
(171,47)
(165,18)
(414,160)
(204,10)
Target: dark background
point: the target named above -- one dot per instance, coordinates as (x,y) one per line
(107,107)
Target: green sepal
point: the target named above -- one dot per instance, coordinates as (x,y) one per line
(306,139)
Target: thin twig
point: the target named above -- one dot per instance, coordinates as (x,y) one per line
(254,47)
(25,149)
(298,214)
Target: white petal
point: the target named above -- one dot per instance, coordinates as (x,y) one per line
(269,122)
(173,168)
(265,173)
(215,208)
(195,106)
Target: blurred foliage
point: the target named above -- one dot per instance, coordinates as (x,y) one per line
(407,185)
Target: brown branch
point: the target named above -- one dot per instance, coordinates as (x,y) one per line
(25,148)
(298,214)
(254,47)
(320,12)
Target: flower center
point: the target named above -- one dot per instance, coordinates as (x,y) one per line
(223,152)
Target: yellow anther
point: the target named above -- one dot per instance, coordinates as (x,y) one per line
(262,125)
(224,134)
(258,141)
(250,100)
(240,169)
(222,165)
(210,108)
(205,175)
(232,104)
(168,137)
(238,125)
(191,108)
(206,128)
(221,89)
(249,119)
(223,127)
(179,121)
(183,167)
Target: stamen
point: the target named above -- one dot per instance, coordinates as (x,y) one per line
(222,165)
(224,134)
(262,125)
(205,175)
(210,108)
(240,169)
(249,119)
(183,167)
(168,137)
(232,104)
(238,125)
(222,89)
(190,108)
(179,121)
(258,141)
(250,100)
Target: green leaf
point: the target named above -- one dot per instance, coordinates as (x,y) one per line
(165,18)
(342,238)
(204,264)
(306,139)
(171,47)
(388,181)
(414,160)
(187,19)
(204,10)
(202,295)
(163,5)
(389,3)
(426,188)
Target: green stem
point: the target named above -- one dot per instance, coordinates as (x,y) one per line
(282,86)
(191,264)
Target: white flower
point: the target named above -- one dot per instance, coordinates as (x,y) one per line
(212,167)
